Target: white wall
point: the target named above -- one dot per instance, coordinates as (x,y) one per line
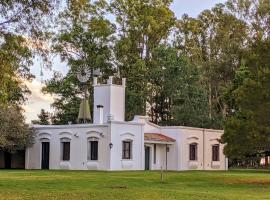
(211,138)
(174,149)
(117,106)
(205,138)
(101,97)
(121,131)
(160,157)
(178,155)
(78,135)
(112,98)
(115,132)
(148,127)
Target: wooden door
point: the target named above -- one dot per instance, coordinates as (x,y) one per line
(7,157)
(147,158)
(45,155)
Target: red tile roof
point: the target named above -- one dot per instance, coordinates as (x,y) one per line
(157,137)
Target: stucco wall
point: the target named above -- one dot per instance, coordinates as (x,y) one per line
(118,102)
(101,97)
(205,138)
(112,97)
(121,131)
(160,157)
(78,135)
(211,138)
(178,155)
(115,132)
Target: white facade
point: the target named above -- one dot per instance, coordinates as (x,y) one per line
(111,143)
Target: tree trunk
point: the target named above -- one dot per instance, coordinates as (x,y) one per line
(266,161)
(210,100)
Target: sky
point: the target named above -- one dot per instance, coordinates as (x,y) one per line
(37,100)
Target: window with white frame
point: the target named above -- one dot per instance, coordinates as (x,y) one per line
(65,149)
(193,151)
(92,149)
(127,149)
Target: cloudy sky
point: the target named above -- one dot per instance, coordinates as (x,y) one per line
(37,100)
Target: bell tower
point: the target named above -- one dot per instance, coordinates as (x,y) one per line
(109,101)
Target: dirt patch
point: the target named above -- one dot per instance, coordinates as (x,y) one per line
(248,181)
(118,187)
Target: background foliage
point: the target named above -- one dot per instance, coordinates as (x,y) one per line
(211,71)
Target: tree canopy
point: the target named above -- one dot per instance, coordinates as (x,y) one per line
(85,40)
(208,71)
(22,26)
(248,124)
(43,118)
(14,133)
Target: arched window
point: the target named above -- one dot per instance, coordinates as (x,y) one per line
(193,151)
(92,148)
(215,152)
(127,149)
(65,149)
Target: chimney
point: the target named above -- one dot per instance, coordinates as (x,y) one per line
(110,117)
(100,113)
(110,80)
(95,81)
(124,82)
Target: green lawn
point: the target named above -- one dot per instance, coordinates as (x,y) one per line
(133,185)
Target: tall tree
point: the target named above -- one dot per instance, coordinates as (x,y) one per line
(247,130)
(175,94)
(21,24)
(14,61)
(214,43)
(247,126)
(256,15)
(85,40)
(142,26)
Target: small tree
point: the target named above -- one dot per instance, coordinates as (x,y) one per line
(15,134)
(43,118)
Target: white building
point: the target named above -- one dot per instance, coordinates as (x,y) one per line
(111,143)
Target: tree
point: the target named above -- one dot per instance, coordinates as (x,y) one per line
(142,26)
(16,13)
(14,133)
(68,101)
(14,61)
(164,80)
(247,130)
(255,13)
(21,27)
(214,42)
(43,118)
(85,40)
(175,94)
(21,24)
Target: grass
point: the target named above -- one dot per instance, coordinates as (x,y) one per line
(79,185)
